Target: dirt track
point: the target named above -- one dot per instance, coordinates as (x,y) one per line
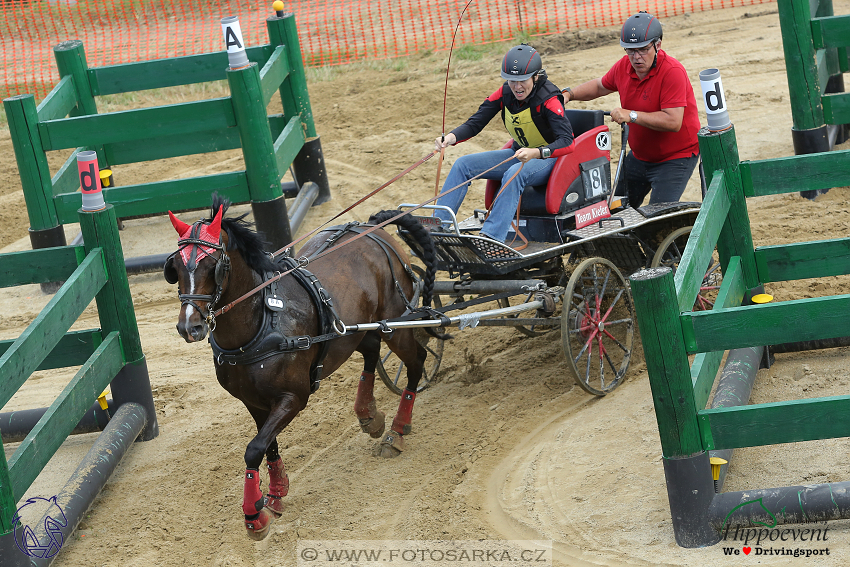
(505,446)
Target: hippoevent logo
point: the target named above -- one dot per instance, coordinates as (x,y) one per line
(769,540)
(54,520)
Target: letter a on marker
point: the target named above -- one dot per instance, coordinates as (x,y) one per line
(230,39)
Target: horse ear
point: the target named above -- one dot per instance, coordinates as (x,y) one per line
(215,225)
(180,226)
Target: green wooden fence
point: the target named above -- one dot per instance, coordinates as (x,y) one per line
(671,331)
(67,119)
(815,42)
(109,354)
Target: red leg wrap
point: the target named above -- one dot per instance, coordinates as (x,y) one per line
(364,404)
(405,411)
(252,500)
(278,486)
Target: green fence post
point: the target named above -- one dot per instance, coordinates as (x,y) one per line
(690,487)
(809,132)
(116,312)
(719,151)
(267,201)
(309,164)
(45,230)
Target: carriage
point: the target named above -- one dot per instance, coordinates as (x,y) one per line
(572,258)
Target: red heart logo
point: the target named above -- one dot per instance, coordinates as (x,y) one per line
(747,550)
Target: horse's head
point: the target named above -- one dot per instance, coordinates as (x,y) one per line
(200,268)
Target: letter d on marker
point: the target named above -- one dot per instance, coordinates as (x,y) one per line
(714,99)
(90,181)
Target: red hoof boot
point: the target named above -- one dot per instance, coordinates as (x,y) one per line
(278,487)
(374,426)
(258,528)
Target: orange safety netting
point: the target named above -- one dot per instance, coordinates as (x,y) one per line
(331,32)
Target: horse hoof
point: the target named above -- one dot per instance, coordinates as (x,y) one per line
(374,426)
(258,528)
(274,504)
(392,445)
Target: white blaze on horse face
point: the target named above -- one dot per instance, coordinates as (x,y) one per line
(189,307)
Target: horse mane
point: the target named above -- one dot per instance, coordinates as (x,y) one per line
(242,237)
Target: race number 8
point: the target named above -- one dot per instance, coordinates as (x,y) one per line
(521,135)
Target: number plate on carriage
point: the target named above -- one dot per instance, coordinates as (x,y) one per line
(274,303)
(429,222)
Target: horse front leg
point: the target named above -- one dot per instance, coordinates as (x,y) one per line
(371,420)
(260,512)
(413,355)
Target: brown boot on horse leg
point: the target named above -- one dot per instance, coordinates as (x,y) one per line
(261,511)
(393,443)
(371,420)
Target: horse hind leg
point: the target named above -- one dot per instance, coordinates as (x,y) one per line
(413,355)
(278,480)
(371,419)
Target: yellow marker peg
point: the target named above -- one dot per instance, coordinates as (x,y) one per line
(716,463)
(101,399)
(278,7)
(762,298)
(106,178)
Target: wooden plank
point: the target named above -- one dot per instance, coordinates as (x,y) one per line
(58,102)
(836,109)
(779,422)
(39,266)
(795,173)
(168,72)
(822,63)
(64,414)
(273,73)
(73,349)
(48,328)
(150,149)
(803,260)
(701,243)
(289,143)
(184,118)
(703,374)
(800,66)
(832,31)
(156,198)
(67,179)
(705,366)
(806,319)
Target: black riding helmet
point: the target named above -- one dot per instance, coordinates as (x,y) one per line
(520,63)
(640,30)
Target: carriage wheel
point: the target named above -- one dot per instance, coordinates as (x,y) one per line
(527,330)
(670,254)
(597,326)
(391,368)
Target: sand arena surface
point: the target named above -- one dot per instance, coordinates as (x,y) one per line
(505,446)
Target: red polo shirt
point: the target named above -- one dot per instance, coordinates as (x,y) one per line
(665,86)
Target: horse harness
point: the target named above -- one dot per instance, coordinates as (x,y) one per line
(269,340)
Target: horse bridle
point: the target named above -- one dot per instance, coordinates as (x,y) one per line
(222,269)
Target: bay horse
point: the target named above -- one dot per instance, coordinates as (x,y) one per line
(265,349)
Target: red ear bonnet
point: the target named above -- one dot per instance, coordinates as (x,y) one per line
(214,230)
(180,226)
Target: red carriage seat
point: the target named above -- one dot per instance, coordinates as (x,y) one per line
(591,136)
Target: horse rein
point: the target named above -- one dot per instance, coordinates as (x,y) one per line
(303,261)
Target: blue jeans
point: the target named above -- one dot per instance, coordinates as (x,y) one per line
(535,172)
(667,179)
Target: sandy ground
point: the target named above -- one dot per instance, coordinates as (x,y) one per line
(504,446)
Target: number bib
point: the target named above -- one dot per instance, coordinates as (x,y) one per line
(522,128)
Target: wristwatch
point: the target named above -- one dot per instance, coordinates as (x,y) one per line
(545,152)
(568,90)
(633,116)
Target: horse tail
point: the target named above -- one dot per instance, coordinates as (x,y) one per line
(423,237)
